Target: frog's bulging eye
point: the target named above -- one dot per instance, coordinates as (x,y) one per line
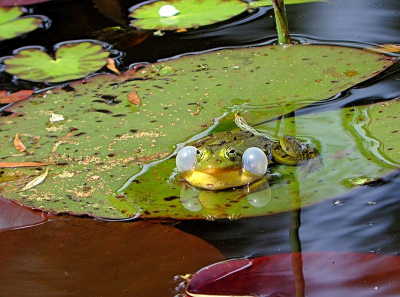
(199,154)
(230,153)
(187,158)
(255,161)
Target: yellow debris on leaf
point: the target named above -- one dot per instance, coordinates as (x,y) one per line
(37,180)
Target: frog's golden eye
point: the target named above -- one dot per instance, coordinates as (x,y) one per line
(199,154)
(230,153)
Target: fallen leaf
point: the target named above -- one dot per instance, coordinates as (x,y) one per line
(23,164)
(18,144)
(196,112)
(111,66)
(134,98)
(34,182)
(6,97)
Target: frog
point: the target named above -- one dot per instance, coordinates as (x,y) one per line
(233,159)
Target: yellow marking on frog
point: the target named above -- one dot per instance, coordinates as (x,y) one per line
(218,180)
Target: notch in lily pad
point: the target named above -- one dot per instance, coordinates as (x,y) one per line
(178,14)
(11,25)
(72,60)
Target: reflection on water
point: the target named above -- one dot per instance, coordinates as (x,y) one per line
(225,203)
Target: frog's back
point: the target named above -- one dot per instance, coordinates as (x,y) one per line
(236,139)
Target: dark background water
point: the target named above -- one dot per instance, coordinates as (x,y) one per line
(350,224)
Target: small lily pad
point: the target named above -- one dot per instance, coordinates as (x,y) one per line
(72,61)
(11,26)
(188,14)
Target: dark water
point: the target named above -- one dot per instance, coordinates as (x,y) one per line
(366,220)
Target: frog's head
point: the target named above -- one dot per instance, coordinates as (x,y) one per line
(221,165)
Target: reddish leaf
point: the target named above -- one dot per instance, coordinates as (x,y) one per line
(134,98)
(18,144)
(85,257)
(322,274)
(14,216)
(13,97)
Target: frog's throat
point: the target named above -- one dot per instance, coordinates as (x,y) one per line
(219,180)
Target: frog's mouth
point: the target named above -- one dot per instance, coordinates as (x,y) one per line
(218,179)
(214,170)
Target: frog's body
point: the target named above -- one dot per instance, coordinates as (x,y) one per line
(219,163)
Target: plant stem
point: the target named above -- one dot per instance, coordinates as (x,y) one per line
(281,22)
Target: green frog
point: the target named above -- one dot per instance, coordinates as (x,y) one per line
(237,158)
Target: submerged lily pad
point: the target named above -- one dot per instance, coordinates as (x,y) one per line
(11,26)
(72,61)
(343,155)
(104,139)
(191,13)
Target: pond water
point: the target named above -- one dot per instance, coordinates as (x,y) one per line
(81,256)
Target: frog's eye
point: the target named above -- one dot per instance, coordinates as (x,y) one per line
(186,158)
(255,161)
(230,153)
(199,154)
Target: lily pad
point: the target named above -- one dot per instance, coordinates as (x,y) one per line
(76,251)
(308,274)
(11,26)
(72,61)
(105,140)
(192,13)
(14,216)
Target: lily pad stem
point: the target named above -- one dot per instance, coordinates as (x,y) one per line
(281,22)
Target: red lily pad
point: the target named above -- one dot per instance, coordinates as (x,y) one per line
(84,257)
(322,274)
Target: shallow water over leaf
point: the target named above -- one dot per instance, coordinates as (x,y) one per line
(350,152)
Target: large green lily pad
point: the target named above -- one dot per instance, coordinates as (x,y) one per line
(105,139)
(11,26)
(72,61)
(192,13)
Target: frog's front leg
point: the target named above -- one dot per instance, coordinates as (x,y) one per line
(292,151)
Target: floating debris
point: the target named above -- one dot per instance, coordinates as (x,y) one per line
(56,118)
(18,144)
